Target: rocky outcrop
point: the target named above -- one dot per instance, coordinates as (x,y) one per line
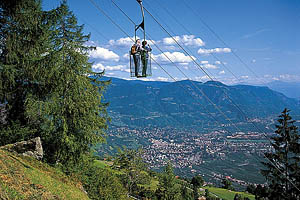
(32,148)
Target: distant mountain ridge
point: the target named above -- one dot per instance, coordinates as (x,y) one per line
(179,104)
(290,89)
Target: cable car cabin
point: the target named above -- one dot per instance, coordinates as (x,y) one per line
(140,64)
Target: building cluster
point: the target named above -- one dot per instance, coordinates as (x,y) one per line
(190,149)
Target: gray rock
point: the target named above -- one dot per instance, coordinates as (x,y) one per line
(32,148)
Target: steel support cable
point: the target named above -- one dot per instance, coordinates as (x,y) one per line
(97,31)
(179,70)
(184,27)
(203,167)
(211,53)
(201,91)
(184,89)
(92,1)
(179,44)
(128,34)
(197,64)
(220,39)
(228,97)
(212,79)
(224,93)
(207,98)
(150,39)
(191,57)
(110,19)
(182,43)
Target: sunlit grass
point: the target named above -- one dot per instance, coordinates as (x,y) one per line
(26,178)
(227,194)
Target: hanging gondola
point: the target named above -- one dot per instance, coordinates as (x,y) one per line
(140,52)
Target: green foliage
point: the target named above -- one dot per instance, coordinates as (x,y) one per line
(227,184)
(135,175)
(238,197)
(261,192)
(283,173)
(44,81)
(186,193)
(15,132)
(251,189)
(206,194)
(168,188)
(98,181)
(23,42)
(197,181)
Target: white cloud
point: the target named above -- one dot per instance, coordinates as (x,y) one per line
(104,54)
(122,42)
(152,42)
(170,48)
(244,77)
(176,57)
(222,72)
(282,77)
(215,50)
(218,62)
(184,64)
(187,40)
(126,56)
(268,76)
(201,78)
(101,67)
(162,79)
(210,66)
(98,67)
(204,62)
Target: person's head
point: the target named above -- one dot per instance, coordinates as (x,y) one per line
(144,43)
(138,41)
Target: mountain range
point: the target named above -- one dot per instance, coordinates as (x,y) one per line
(290,89)
(186,104)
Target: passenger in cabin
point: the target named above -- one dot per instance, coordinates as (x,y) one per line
(136,51)
(145,55)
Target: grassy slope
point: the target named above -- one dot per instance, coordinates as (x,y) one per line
(106,165)
(26,178)
(220,192)
(227,194)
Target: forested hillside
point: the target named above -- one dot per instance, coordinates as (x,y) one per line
(182,105)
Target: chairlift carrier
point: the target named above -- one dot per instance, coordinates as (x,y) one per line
(140,62)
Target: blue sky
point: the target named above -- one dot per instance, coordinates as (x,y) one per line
(265,34)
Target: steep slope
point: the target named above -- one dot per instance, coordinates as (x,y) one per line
(26,178)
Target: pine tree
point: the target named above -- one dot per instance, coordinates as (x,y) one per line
(47,83)
(23,64)
(73,115)
(283,174)
(168,189)
(134,169)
